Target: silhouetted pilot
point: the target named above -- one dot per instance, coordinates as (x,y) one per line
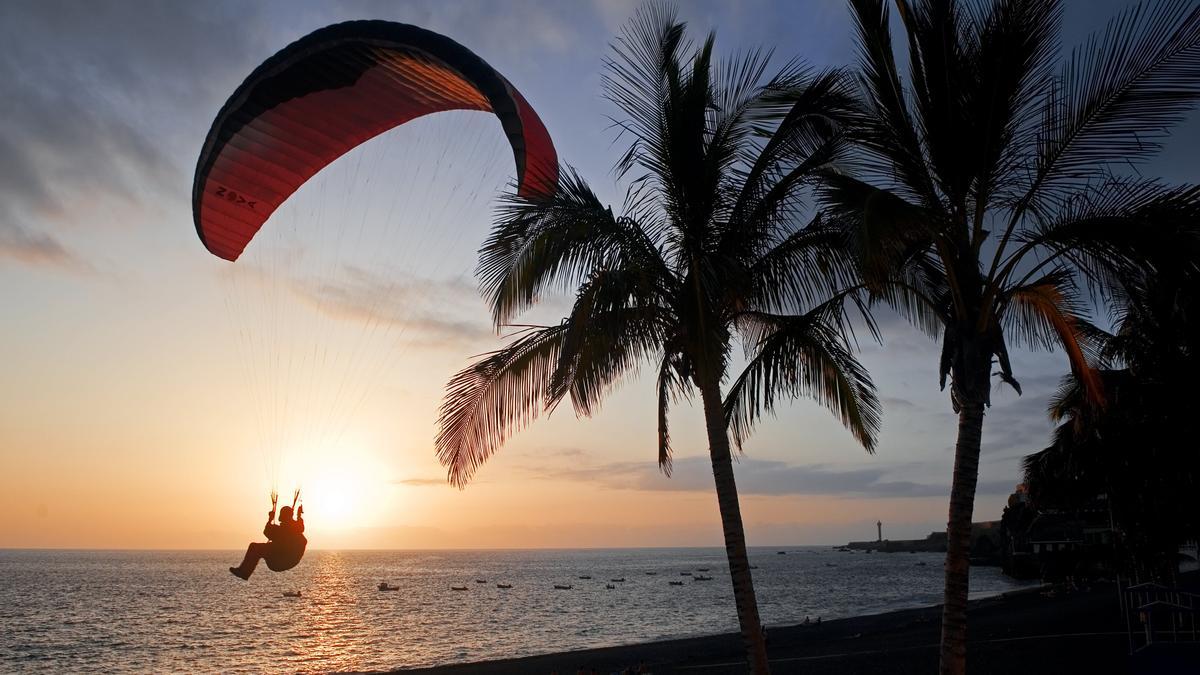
(285,548)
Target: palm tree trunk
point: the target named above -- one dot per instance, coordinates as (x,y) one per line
(735,535)
(958,539)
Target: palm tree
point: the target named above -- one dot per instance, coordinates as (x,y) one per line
(989,194)
(711,247)
(1139,450)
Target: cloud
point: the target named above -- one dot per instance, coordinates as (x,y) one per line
(897,403)
(36,248)
(93,97)
(1019,425)
(616,14)
(758,477)
(421,482)
(423,307)
(555,453)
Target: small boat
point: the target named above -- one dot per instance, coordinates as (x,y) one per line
(481,581)
(780,552)
(830,564)
(559,587)
(585,577)
(383,586)
(920,564)
(754,567)
(701,577)
(675,583)
(609,586)
(458,588)
(701,569)
(621,580)
(650,574)
(503,585)
(685,574)
(291,594)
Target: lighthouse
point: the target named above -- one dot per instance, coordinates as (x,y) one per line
(879,529)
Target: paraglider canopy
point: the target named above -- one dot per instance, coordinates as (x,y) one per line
(330,91)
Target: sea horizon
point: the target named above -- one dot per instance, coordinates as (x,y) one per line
(446,548)
(139,610)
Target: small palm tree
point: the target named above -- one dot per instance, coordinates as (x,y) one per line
(989,193)
(711,247)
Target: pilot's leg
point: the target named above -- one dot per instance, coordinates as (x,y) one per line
(254,553)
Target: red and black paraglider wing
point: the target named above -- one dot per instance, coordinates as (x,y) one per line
(327,93)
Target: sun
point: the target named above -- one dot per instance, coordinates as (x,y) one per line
(334,498)
(340,489)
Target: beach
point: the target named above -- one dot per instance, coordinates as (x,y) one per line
(1019,632)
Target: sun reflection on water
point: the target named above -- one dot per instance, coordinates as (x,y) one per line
(331,630)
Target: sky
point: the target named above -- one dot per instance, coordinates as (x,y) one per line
(140,393)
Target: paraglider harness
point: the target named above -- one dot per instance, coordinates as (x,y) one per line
(290,547)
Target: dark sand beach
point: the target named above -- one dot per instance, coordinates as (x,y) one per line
(1023,632)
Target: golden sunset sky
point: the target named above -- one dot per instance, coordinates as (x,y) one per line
(131,413)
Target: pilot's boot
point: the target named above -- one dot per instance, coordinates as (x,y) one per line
(254,553)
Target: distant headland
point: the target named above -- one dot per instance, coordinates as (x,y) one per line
(986,544)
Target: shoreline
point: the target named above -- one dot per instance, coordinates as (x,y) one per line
(1077,633)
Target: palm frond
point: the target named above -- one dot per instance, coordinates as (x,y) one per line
(1066,399)
(1014,61)
(776,212)
(885,229)
(1118,96)
(738,85)
(800,117)
(894,245)
(1024,319)
(493,398)
(803,356)
(671,385)
(690,166)
(1110,233)
(798,271)
(942,80)
(555,242)
(616,323)
(1046,313)
(950,346)
(917,294)
(888,132)
(635,76)
(795,115)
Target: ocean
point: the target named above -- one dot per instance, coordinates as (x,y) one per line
(181,611)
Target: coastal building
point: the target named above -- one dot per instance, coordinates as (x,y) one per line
(1053,544)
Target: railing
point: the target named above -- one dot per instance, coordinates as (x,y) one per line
(1155,613)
